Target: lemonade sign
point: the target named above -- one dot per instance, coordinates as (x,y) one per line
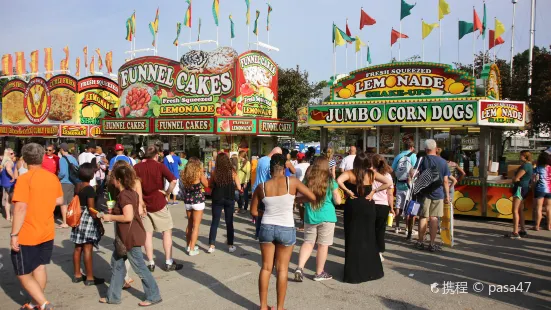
(403,80)
(98,97)
(502,113)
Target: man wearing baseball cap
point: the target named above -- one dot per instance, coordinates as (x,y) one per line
(119,149)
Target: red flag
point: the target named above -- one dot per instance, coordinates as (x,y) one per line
(366,20)
(494,41)
(476,21)
(348,33)
(395,35)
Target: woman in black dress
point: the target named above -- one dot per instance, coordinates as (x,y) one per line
(362,262)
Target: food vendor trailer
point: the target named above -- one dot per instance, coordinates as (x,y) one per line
(207,101)
(384,105)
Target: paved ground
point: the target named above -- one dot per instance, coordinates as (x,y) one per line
(229,281)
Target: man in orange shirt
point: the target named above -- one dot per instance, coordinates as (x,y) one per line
(32,235)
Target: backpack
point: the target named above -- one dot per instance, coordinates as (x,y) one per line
(403,168)
(74,212)
(72,171)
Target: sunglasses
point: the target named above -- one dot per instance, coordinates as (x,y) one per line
(49,150)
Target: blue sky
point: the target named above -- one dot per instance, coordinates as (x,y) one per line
(301,29)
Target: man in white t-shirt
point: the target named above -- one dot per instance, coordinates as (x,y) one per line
(301,166)
(87,157)
(348,162)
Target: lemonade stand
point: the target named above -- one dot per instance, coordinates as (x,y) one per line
(206,101)
(387,104)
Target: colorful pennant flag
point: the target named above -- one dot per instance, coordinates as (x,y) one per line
(109,62)
(359,44)
(7,64)
(216,10)
(100,61)
(20,66)
(248,3)
(178,29)
(340,37)
(63,65)
(154,27)
(255,30)
(48,62)
(494,40)
(199,31)
(476,21)
(395,35)
(484,22)
(231,28)
(405,9)
(77,65)
(187,18)
(92,66)
(34,62)
(66,51)
(443,9)
(365,20)
(131,27)
(465,28)
(499,28)
(85,51)
(427,28)
(348,33)
(368,55)
(268,18)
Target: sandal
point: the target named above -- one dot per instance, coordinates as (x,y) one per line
(103,300)
(149,303)
(127,284)
(27,307)
(79,279)
(63,226)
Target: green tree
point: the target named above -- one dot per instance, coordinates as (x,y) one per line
(296,91)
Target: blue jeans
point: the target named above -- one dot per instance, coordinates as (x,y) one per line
(118,268)
(286,236)
(228,206)
(242,199)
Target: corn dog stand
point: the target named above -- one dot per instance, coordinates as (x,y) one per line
(207,101)
(387,104)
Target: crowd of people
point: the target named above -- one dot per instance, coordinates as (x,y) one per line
(135,192)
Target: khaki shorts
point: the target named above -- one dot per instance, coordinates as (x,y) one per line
(68,193)
(321,233)
(159,221)
(432,208)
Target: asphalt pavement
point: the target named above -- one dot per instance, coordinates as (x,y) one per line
(475,274)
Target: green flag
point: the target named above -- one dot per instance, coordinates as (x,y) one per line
(465,28)
(231,27)
(255,30)
(368,55)
(178,29)
(405,9)
(484,23)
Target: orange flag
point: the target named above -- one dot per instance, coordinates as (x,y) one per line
(77,73)
(100,62)
(66,50)
(85,51)
(20,66)
(62,66)
(109,62)
(48,62)
(34,62)
(7,64)
(92,66)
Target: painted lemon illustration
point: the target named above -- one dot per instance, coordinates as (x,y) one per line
(391,81)
(504,206)
(457,195)
(351,88)
(91,111)
(456,88)
(465,204)
(345,93)
(447,84)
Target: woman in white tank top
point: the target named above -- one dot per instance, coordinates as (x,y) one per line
(277,234)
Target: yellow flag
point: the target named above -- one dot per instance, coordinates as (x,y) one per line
(359,44)
(427,28)
(339,40)
(443,9)
(500,29)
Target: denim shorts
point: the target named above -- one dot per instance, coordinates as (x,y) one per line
(539,195)
(286,236)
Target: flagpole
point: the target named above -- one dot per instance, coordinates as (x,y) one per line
(512,40)
(440,41)
(474,45)
(190,37)
(494,40)
(217,36)
(356,58)
(422,43)
(346,58)
(458,46)
(367,54)
(249,35)
(400,43)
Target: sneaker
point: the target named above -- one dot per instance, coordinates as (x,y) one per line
(195,248)
(174,266)
(397,230)
(322,276)
(512,236)
(232,249)
(381,256)
(48,306)
(211,250)
(193,253)
(151,267)
(414,233)
(298,275)
(28,307)
(408,237)
(432,248)
(523,233)
(419,245)
(96,281)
